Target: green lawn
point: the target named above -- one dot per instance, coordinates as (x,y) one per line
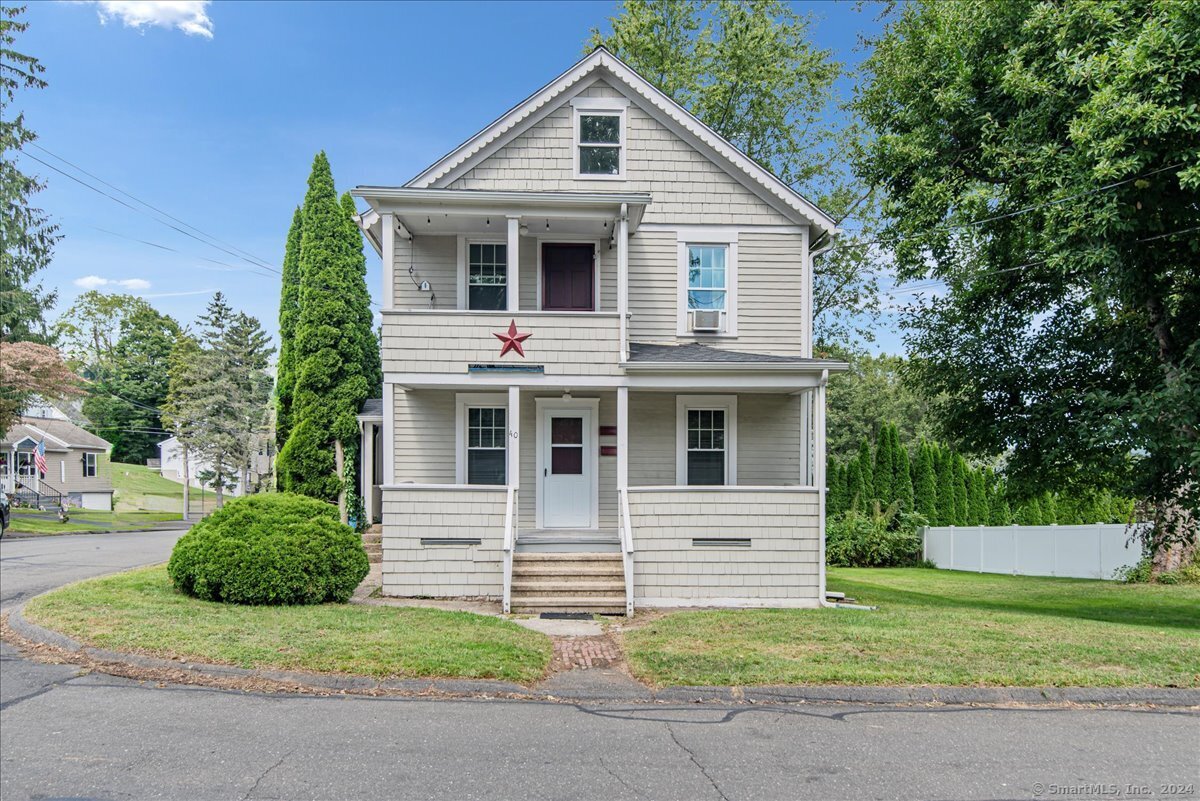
(25,522)
(141,611)
(938,627)
(140,488)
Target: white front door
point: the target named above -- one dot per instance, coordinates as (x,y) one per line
(567,481)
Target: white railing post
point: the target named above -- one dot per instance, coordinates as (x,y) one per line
(626,547)
(623,279)
(509,545)
(514,264)
(952,567)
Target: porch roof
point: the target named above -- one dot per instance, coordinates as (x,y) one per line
(372,410)
(694,355)
(60,435)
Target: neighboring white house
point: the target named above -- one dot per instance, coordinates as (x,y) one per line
(170,455)
(599,384)
(77,469)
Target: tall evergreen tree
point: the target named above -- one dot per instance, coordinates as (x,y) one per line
(925,484)
(885,470)
(904,484)
(334,370)
(369,342)
(976,498)
(856,488)
(289,313)
(945,487)
(961,511)
(835,487)
(998,512)
(868,473)
(1049,506)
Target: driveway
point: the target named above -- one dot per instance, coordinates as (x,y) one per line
(64,735)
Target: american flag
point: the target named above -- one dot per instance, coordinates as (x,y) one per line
(39,459)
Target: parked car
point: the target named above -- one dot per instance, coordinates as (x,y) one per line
(5,512)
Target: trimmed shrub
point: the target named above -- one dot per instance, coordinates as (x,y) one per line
(880,540)
(275,548)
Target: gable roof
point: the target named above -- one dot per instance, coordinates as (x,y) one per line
(60,435)
(554,94)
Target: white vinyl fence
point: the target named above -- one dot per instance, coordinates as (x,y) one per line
(1094,551)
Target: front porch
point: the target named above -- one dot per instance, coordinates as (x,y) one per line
(709,498)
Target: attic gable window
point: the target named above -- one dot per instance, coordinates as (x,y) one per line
(599,138)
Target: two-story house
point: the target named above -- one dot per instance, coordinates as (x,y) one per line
(599,389)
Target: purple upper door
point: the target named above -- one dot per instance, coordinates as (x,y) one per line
(568,281)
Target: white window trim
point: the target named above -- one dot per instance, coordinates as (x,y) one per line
(541,405)
(475,400)
(62,471)
(683,403)
(599,106)
(707,236)
(464,243)
(90,459)
(569,240)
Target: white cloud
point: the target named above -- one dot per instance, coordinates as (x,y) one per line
(95,282)
(189,16)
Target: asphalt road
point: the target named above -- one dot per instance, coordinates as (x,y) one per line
(63,735)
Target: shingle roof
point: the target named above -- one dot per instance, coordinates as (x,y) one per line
(372,407)
(64,430)
(694,352)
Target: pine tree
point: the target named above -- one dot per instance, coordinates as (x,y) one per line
(925,484)
(868,474)
(1049,509)
(289,313)
(998,512)
(835,484)
(976,498)
(945,487)
(334,368)
(904,483)
(856,488)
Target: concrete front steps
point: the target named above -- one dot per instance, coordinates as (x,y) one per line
(373,544)
(568,582)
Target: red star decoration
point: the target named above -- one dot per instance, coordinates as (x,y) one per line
(512,340)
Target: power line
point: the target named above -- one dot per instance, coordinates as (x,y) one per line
(140,211)
(244,254)
(226,266)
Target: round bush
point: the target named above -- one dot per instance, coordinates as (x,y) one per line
(274,548)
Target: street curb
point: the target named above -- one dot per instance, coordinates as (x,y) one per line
(24,535)
(760,695)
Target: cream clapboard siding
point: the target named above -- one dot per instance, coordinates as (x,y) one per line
(768,445)
(424,436)
(412,568)
(607,490)
(685,184)
(564,343)
(76,482)
(434,259)
(780,568)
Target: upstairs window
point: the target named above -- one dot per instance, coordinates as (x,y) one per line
(487,276)
(707,277)
(599,140)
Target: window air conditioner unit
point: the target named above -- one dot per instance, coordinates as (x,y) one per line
(706,320)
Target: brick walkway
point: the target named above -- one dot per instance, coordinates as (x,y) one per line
(584,652)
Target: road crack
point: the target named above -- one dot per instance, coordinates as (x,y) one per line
(263,775)
(622,781)
(696,762)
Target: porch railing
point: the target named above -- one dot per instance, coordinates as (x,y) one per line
(510,544)
(626,548)
(44,497)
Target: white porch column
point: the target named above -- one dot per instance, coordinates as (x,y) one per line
(387,246)
(807,458)
(623,287)
(514,263)
(622,437)
(819,472)
(514,438)
(367,471)
(389,442)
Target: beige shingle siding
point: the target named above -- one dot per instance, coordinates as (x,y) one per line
(434,259)
(653,286)
(565,344)
(770,295)
(780,566)
(411,568)
(686,186)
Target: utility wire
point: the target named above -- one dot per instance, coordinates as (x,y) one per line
(244,254)
(224,266)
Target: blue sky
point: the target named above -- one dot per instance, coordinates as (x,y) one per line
(214,116)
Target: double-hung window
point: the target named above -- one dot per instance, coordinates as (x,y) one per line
(487,276)
(708,280)
(707,433)
(487,436)
(89,465)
